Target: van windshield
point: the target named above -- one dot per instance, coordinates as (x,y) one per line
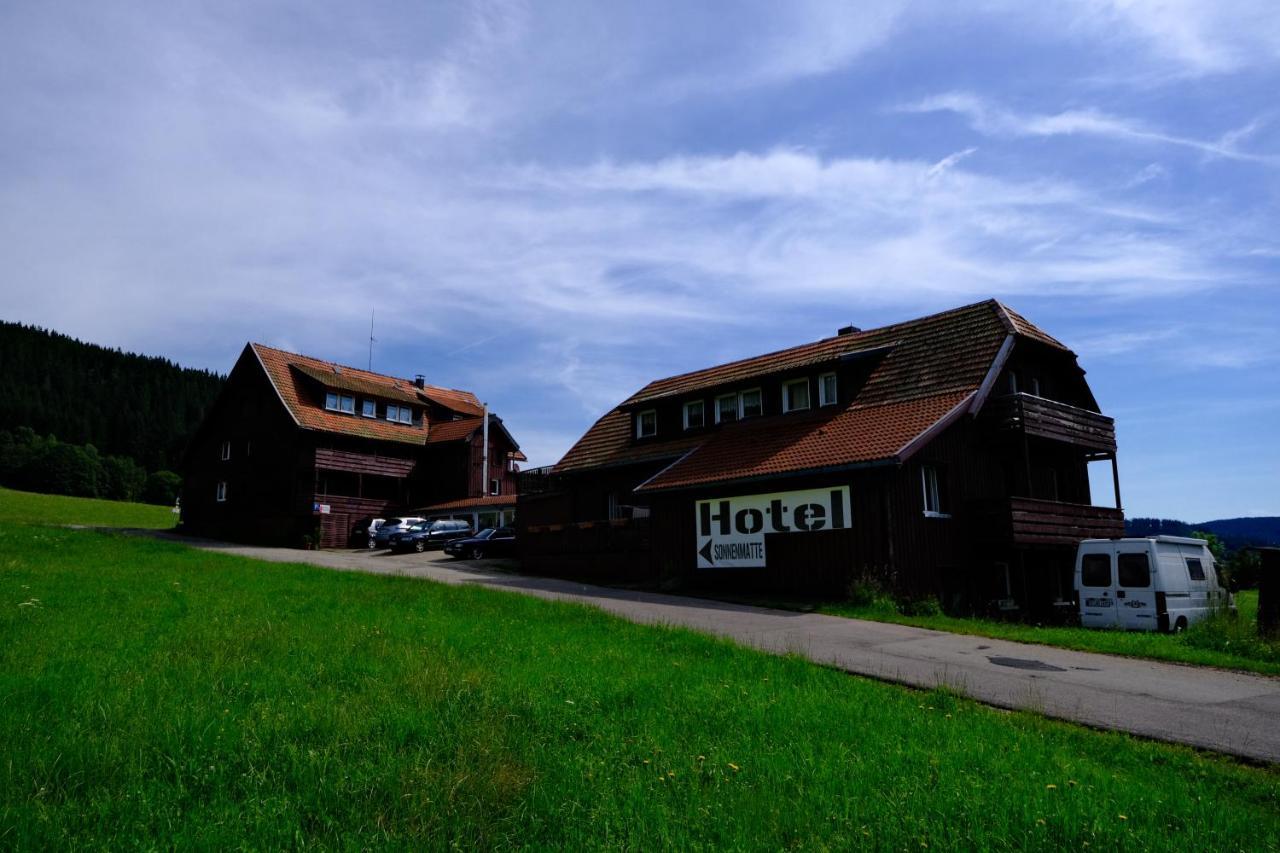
(1135,571)
(1095,570)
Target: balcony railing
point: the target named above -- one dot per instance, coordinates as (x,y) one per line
(1030,521)
(1053,420)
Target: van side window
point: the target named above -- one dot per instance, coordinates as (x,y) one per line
(1195,569)
(1135,571)
(1095,570)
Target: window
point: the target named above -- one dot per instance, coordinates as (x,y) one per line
(795,395)
(726,408)
(1013,382)
(222,491)
(495,487)
(1134,570)
(369,408)
(340,403)
(1195,568)
(1095,570)
(827,389)
(695,414)
(400,414)
(752,406)
(934,499)
(647,424)
(1035,386)
(226,450)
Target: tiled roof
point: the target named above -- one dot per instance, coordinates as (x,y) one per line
(1021,326)
(291,374)
(471,503)
(343,380)
(784,443)
(462,402)
(458,430)
(921,370)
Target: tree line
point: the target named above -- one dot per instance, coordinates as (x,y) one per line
(81,419)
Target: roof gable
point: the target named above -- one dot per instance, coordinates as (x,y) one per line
(924,369)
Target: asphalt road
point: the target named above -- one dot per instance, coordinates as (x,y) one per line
(1212,709)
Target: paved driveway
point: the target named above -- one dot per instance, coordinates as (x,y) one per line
(1224,711)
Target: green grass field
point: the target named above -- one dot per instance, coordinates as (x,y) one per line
(1221,642)
(32,508)
(153,695)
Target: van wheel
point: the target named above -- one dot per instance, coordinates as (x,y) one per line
(477,554)
(419,546)
(1180,625)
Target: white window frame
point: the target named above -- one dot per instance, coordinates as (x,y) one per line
(495,487)
(220,493)
(640,433)
(406,415)
(399,414)
(823,398)
(931,492)
(690,404)
(737,405)
(742,403)
(369,408)
(346,404)
(331,401)
(226,450)
(786,397)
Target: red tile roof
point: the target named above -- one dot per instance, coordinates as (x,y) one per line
(782,444)
(920,370)
(458,430)
(471,503)
(295,377)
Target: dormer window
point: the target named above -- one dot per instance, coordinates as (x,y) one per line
(795,395)
(726,408)
(751,405)
(647,423)
(369,408)
(695,414)
(340,403)
(400,414)
(827,389)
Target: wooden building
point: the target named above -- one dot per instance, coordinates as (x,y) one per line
(943,456)
(296,446)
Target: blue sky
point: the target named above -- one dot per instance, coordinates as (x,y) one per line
(552,203)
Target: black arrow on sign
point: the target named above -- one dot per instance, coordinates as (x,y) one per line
(705,553)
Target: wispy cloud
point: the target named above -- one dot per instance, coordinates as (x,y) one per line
(993,120)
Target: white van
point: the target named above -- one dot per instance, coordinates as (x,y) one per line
(1162,583)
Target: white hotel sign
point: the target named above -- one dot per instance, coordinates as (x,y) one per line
(731,531)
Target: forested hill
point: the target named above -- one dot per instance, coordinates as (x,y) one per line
(1234,532)
(124,404)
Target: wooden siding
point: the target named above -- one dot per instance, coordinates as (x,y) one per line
(363,463)
(1028,521)
(1053,420)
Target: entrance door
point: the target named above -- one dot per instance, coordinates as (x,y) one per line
(1097,591)
(1135,594)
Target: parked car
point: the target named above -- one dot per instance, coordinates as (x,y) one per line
(365,530)
(392,526)
(490,542)
(426,534)
(1161,583)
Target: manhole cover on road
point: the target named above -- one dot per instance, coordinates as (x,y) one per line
(1023,663)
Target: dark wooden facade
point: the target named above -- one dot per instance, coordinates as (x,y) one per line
(1012,465)
(254,473)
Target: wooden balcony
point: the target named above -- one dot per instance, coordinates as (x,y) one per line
(1053,420)
(1029,521)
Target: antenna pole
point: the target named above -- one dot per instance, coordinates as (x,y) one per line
(371,313)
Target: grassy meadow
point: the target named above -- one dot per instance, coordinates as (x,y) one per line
(1225,642)
(32,508)
(155,695)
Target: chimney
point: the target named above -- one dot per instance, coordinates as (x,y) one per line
(420,380)
(847,330)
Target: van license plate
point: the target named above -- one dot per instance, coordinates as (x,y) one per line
(1097,602)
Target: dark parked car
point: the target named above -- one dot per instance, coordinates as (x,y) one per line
(490,542)
(422,536)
